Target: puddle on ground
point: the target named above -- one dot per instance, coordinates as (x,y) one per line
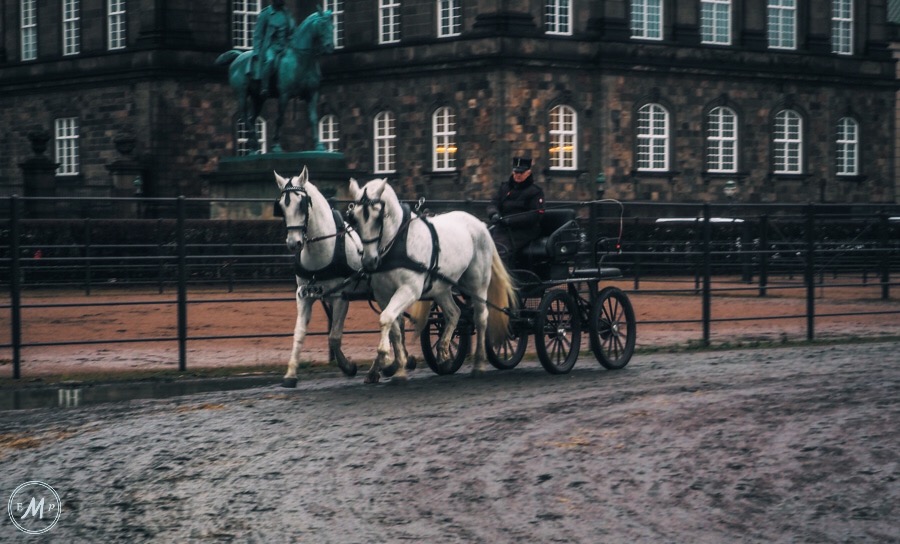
(84,394)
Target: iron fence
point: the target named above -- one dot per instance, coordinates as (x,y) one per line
(747,247)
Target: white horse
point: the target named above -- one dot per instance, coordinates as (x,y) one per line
(411,257)
(326,267)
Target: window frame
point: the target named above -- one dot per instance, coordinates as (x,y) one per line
(388,22)
(385,142)
(337,13)
(843,144)
(66,139)
(554,12)
(443,140)
(653,139)
(241,138)
(784,144)
(776,10)
(449,18)
(641,29)
(718,142)
(71,27)
(329,132)
(116,25)
(28,36)
(840,44)
(713,21)
(243,21)
(563,132)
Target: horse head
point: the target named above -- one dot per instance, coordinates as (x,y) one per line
(315,33)
(294,206)
(374,205)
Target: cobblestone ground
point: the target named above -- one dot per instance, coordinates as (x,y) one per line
(774,445)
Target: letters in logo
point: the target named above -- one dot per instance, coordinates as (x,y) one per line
(34,507)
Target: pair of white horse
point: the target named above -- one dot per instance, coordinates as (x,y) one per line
(406,258)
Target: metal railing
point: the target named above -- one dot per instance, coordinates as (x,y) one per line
(758,248)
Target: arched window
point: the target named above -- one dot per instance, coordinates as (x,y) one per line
(329,135)
(243,137)
(385,143)
(788,143)
(721,140)
(847,147)
(563,138)
(443,124)
(653,138)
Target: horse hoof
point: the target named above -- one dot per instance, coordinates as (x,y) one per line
(397,380)
(389,371)
(348,369)
(289,382)
(477,372)
(411,363)
(371,379)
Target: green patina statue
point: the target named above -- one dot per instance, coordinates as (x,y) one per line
(290,53)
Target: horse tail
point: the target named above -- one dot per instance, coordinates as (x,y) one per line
(227,57)
(501,294)
(418,314)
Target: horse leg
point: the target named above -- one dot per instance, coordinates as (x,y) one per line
(480,316)
(451,319)
(312,108)
(279,122)
(401,300)
(338,314)
(304,307)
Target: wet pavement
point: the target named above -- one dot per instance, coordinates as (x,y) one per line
(793,444)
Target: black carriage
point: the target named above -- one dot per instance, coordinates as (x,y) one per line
(559,298)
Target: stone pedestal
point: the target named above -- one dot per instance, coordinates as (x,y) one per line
(253,177)
(39,177)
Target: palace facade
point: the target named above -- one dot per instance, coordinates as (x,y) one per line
(662,100)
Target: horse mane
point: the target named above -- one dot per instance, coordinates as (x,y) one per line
(304,30)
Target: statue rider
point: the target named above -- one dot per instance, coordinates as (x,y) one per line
(270,39)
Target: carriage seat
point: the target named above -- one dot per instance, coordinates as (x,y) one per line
(560,236)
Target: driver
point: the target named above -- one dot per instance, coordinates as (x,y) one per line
(516,211)
(270,38)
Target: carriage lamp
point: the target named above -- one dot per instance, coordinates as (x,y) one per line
(601,184)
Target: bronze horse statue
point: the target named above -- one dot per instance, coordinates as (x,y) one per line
(298,75)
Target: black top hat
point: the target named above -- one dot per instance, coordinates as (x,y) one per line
(521,164)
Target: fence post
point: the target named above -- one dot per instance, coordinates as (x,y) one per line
(182,285)
(15,287)
(810,272)
(707,271)
(87,256)
(763,253)
(885,256)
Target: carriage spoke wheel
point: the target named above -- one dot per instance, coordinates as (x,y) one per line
(612,328)
(509,352)
(460,344)
(557,332)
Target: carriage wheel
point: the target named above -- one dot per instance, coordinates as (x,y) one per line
(460,344)
(557,332)
(509,353)
(613,328)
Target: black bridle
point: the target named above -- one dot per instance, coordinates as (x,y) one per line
(305,205)
(366,204)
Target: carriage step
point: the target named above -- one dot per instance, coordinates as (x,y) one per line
(604,272)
